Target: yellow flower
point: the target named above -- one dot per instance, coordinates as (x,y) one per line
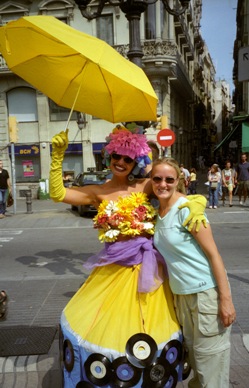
(102,208)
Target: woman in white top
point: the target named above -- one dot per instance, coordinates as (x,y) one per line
(227,183)
(214,179)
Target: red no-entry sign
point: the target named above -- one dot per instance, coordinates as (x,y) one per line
(166,137)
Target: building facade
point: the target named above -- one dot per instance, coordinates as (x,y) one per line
(240,120)
(175,59)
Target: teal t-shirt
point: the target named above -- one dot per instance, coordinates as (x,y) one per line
(188,266)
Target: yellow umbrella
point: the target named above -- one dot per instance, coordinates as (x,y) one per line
(77,70)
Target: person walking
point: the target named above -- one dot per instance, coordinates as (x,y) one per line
(3,305)
(5,188)
(242,178)
(192,181)
(214,179)
(198,280)
(228,183)
(126,299)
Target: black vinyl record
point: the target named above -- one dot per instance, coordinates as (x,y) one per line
(98,369)
(186,370)
(84,384)
(141,350)
(172,351)
(68,355)
(157,374)
(125,374)
(172,382)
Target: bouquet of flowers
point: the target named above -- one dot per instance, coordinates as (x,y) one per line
(128,216)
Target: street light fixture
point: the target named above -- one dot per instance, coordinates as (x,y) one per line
(132,10)
(81,120)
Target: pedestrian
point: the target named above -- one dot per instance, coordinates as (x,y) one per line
(214,179)
(242,178)
(186,173)
(3,305)
(228,183)
(198,280)
(127,294)
(5,188)
(154,155)
(192,181)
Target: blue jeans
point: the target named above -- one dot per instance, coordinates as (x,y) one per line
(213,197)
(3,199)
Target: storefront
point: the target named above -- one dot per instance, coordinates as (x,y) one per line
(27,163)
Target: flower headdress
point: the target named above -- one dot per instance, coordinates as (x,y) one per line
(128,142)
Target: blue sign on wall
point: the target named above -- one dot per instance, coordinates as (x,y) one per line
(26,150)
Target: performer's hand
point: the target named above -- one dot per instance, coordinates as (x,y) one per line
(197,205)
(60,142)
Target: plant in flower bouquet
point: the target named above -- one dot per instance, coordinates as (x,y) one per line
(128,216)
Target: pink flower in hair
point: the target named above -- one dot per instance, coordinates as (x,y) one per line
(123,142)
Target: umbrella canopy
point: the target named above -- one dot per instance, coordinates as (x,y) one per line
(68,65)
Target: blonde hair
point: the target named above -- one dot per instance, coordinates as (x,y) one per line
(170,162)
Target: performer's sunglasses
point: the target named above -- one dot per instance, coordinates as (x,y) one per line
(126,159)
(168,179)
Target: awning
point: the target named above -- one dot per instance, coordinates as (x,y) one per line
(227,137)
(98,147)
(245,137)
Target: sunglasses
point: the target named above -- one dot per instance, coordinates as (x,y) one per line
(169,179)
(126,159)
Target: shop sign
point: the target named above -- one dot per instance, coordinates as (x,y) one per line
(26,150)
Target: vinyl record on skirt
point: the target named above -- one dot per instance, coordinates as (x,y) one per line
(68,355)
(125,374)
(186,370)
(141,350)
(84,384)
(172,382)
(98,369)
(157,374)
(172,351)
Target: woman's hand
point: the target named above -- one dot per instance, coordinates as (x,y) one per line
(60,142)
(227,312)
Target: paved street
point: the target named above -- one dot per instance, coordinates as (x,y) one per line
(37,300)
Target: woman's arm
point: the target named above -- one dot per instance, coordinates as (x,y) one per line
(223,178)
(75,196)
(205,239)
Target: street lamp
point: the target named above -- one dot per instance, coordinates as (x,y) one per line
(132,10)
(81,120)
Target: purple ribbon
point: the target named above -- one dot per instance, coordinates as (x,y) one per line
(133,252)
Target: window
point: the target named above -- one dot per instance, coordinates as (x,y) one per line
(150,22)
(104,25)
(22,104)
(58,113)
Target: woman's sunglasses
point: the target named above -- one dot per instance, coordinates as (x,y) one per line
(126,159)
(168,179)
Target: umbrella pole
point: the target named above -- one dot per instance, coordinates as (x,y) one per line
(72,109)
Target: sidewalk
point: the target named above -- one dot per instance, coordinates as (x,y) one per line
(44,371)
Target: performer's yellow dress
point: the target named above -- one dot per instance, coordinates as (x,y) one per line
(115,335)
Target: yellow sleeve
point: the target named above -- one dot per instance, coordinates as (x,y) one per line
(57,190)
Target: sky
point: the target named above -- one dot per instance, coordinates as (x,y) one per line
(218,30)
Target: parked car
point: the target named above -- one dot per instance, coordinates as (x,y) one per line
(90,178)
